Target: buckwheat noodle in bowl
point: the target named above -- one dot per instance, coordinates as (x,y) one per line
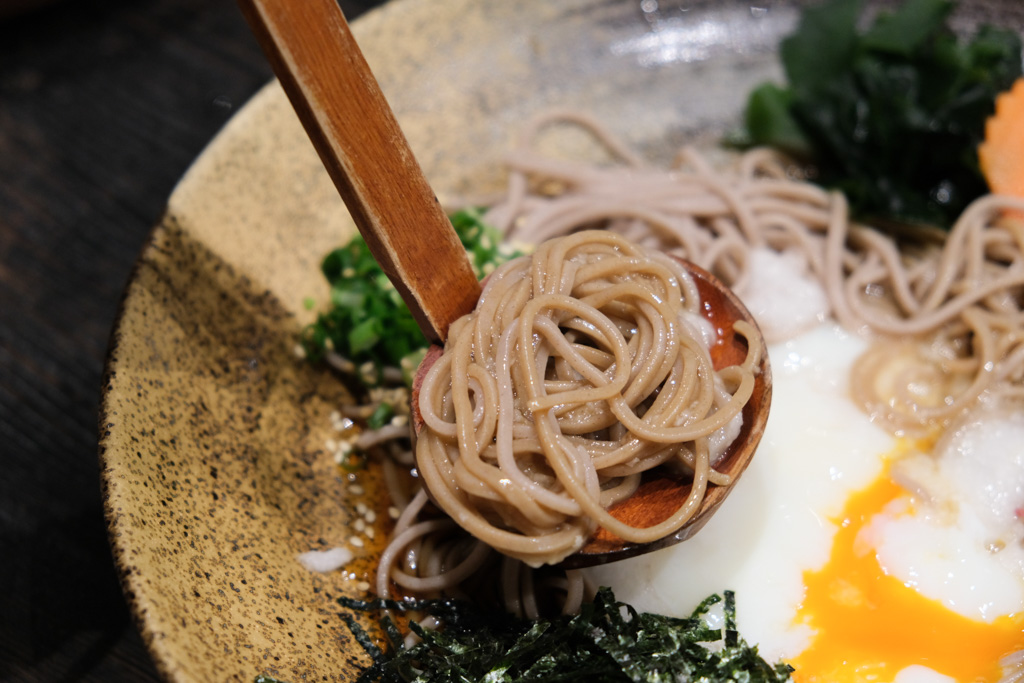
(945,311)
(583,366)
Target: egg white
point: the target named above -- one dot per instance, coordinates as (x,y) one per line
(818,448)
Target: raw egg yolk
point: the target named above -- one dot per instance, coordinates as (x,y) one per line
(869,625)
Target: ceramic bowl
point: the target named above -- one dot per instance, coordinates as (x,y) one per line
(214,465)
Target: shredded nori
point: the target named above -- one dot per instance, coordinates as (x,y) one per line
(607,641)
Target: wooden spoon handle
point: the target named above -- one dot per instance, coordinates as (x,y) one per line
(311,49)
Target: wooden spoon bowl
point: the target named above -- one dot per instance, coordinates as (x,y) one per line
(661,492)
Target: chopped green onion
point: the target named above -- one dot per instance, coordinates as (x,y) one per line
(381,416)
(367,321)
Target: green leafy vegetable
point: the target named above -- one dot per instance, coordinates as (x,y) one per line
(891,115)
(382,414)
(481,241)
(367,321)
(608,641)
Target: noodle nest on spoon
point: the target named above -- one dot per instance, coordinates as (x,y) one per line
(583,366)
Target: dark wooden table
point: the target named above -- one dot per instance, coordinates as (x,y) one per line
(103,105)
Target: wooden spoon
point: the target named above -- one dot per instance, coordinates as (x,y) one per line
(322,70)
(342,108)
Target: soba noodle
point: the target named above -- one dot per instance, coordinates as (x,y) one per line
(958,298)
(945,316)
(583,366)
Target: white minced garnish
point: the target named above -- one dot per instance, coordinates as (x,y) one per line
(702,327)
(344,448)
(960,542)
(324,561)
(783,296)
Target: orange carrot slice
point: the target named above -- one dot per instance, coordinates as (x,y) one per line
(1001,155)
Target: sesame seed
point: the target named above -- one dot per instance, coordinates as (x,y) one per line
(356,490)
(356,541)
(359,525)
(393,512)
(363,586)
(370,516)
